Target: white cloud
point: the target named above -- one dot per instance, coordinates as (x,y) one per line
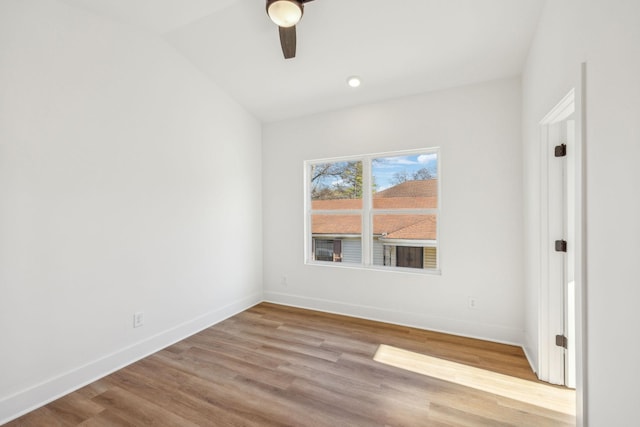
(405,161)
(391,162)
(425,158)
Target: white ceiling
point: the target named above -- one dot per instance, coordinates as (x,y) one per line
(398,47)
(156,16)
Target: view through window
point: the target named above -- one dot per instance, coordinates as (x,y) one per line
(374,210)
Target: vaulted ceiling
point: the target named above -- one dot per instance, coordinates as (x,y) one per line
(397,47)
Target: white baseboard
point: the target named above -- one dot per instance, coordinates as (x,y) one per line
(487,332)
(527,354)
(20,403)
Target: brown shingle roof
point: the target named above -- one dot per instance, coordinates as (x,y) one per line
(336,224)
(417,188)
(412,227)
(408,195)
(421,194)
(405,202)
(421,230)
(378,203)
(335,204)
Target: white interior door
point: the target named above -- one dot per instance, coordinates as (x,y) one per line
(569,130)
(557,254)
(562,264)
(571,110)
(557,296)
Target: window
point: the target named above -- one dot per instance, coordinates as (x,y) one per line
(378,211)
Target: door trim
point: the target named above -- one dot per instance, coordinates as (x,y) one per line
(551,318)
(581,255)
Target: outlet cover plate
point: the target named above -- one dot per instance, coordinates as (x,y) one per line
(138,319)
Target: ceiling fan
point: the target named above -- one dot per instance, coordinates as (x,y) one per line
(286,14)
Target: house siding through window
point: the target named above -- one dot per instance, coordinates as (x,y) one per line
(352,251)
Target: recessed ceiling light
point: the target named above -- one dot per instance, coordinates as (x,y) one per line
(354,81)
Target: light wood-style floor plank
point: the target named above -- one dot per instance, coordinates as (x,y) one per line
(556,399)
(274,365)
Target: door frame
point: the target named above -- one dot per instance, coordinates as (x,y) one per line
(576,98)
(552,305)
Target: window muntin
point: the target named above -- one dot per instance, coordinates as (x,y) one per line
(392,199)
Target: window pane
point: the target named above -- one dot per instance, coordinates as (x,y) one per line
(405,241)
(405,182)
(336,185)
(337,238)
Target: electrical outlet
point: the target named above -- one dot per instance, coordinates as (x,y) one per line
(472,303)
(138,319)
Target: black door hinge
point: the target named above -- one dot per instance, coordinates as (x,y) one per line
(561,341)
(561,150)
(561,246)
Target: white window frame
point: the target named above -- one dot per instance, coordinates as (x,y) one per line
(367,213)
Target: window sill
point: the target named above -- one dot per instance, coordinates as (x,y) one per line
(349,266)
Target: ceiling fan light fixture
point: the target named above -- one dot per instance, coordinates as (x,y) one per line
(284,13)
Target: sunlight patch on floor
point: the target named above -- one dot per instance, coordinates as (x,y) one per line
(538,394)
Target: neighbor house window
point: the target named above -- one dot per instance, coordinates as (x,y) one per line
(377,211)
(327,250)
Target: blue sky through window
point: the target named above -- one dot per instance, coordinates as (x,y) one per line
(387,170)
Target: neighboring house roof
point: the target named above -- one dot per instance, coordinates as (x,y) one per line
(336,224)
(336,204)
(399,226)
(408,195)
(421,230)
(417,188)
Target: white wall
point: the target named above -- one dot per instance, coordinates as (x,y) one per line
(128,182)
(565,40)
(605,34)
(478,130)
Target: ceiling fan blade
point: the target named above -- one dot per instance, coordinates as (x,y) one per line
(288,41)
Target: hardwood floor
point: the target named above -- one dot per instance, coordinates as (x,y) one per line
(274,365)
